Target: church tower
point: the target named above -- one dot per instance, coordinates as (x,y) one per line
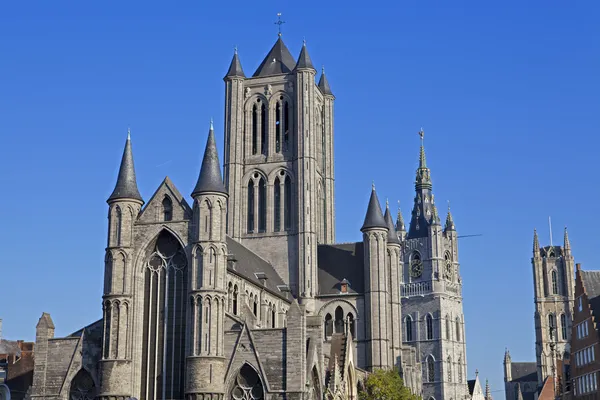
(206,364)
(432,293)
(554,288)
(124,205)
(279,163)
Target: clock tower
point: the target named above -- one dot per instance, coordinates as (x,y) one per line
(433,320)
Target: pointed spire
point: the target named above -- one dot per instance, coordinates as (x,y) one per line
(210,179)
(235,68)
(278,61)
(536,244)
(324,84)
(374,217)
(126,187)
(423,179)
(488,393)
(567,243)
(400,220)
(507,358)
(449,220)
(392,236)
(304,60)
(519,392)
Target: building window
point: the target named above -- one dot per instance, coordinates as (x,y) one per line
(350,319)
(328,325)
(167,206)
(429,326)
(255,128)
(459,368)
(563,326)
(408,325)
(339,320)
(554,283)
(235,299)
(263,130)
(552,325)
(250,206)
(430,370)
(448,328)
(277,205)
(457,329)
(286,126)
(262,205)
(287,194)
(449,369)
(580,305)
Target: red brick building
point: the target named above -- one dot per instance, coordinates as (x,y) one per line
(585,362)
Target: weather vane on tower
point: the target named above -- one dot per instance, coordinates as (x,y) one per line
(279,23)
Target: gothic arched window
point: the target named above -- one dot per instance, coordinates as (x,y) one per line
(286,125)
(430,369)
(458,336)
(262,205)
(250,206)
(449,369)
(350,319)
(273,316)
(82,386)
(339,320)
(552,325)
(118,225)
(448,328)
(255,128)
(235,299)
(328,325)
(277,205)
(278,126)
(429,326)
(459,369)
(408,328)
(247,385)
(287,212)
(255,306)
(554,282)
(165,290)
(167,208)
(563,326)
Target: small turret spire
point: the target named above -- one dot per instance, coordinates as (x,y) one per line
(536,244)
(392,236)
(304,61)
(567,243)
(235,68)
(210,179)
(506,355)
(126,187)
(488,393)
(400,220)
(374,217)
(324,83)
(449,220)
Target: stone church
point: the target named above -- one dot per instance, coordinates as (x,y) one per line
(554,297)
(241,292)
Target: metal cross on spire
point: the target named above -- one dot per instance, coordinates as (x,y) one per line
(279,23)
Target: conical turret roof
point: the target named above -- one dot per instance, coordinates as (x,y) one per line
(392,236)
(210,179)
(374,217)
(278,61)
(235,68)
(324,84)
(126,187)
(304,60)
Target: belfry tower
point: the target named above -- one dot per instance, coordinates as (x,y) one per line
(279,163)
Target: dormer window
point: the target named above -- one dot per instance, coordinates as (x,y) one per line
(344,286)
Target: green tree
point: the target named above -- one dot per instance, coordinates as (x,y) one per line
(385,385)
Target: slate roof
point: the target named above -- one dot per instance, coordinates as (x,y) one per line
(235,69)
(392,236)
(304,60)
(324,84)
(209,179)
(126,187)
(341,261)
(249,263)
(523,371)
(591,283)
(471,384)
(278,61)
(9,347)
(374,217)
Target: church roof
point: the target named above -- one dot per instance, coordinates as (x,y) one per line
(210,179)
(278,61)
(304,60)
(471,384)
(324,84)
(523,371)
(248,264)
(126,187)
(374,217)
(235,68)
(338,262)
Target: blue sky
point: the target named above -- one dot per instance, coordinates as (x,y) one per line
(507,92)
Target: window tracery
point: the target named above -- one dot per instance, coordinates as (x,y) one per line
(82,387)
(247,385)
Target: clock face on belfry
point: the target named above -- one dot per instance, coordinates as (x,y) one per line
(416,268)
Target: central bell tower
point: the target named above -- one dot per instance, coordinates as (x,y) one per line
(279,163)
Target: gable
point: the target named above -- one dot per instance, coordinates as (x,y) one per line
(153,210)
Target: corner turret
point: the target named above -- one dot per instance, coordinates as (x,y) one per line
(209,179)
(536,244)
(392,236)
(507,366)
(449,221)
(374,217)
(324,84)
(567,243)
(126,187)
(235,68)
(304,61)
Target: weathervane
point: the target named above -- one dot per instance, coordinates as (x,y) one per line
(422,134)
(279,23)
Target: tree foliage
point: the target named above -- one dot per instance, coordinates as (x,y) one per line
(385,385)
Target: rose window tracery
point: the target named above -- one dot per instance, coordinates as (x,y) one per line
(82,387)
(247,385)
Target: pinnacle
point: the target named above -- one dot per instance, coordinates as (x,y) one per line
(374,217)
(126,187)
(210,179)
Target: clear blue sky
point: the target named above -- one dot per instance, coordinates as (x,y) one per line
(508,94)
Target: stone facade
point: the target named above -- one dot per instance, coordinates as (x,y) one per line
(244,293)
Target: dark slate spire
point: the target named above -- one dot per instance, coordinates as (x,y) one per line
(374,217)
(324,84)
(424,213)
(235,69)
(304,60)
(392,236)
(126,187)
(278,61)
(210,179)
